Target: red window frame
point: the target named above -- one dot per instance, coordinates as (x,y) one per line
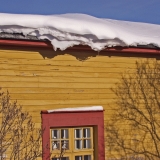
(73,119)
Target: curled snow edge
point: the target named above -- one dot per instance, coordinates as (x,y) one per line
(67,30)
(78,109)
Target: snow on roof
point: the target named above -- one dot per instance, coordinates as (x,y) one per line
(67,30)
(92,108)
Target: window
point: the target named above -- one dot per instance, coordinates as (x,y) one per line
(76,134)
(72,143)
(82,138)
(59,139)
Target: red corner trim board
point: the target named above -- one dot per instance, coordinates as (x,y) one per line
(47,45)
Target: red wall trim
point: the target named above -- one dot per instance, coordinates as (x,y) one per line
(47,45)
(73,120)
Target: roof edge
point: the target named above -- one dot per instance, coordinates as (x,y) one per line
(47,45)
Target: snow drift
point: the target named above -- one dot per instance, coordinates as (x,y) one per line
(78,109)
(67,30)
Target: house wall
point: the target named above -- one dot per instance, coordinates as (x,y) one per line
(43,79)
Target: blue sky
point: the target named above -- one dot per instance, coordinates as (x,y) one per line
(130,10)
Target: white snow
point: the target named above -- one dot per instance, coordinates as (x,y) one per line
(67,30)
(92,108)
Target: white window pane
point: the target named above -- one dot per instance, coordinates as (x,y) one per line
(86,133)
(78,133)
(87,157)
(78,144)
(55,145)
(62,158)
(55,134)
(64,133)
(78,157)
(86,143)
(65,144)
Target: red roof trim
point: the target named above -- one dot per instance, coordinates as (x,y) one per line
(47,45)
(24,43)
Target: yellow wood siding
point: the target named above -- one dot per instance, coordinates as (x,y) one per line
(39,83)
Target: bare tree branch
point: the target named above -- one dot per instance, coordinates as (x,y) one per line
(134,130)
(19,139)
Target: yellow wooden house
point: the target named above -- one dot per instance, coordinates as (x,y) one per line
(46,82)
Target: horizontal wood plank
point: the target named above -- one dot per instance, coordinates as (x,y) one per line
(56,85)
(60,96)
(26,90)
(50,79)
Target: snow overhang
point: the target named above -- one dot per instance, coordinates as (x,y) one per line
(67,30)
(77,109)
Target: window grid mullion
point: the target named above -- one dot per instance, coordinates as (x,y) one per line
(71,138)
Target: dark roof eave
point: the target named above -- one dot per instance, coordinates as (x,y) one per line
(47,45)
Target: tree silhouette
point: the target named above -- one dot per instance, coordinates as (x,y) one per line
(19,139)
(134,129)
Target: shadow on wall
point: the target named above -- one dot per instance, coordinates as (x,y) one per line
(83,55)
(79,55)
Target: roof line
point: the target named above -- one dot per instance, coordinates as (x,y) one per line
(47,45)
